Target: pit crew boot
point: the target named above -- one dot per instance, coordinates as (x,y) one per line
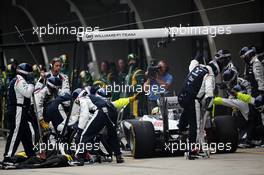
(7,163)
(119,159)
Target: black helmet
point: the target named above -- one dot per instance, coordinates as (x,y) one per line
(103,93)
(54,82)
(259,103)
(240,88)
(243,51)
(24,69)
(223,58)
(230,77)
(246,53)
(76,93)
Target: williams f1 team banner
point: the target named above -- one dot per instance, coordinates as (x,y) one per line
(181,31)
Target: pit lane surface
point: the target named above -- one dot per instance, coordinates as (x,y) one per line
(244,161)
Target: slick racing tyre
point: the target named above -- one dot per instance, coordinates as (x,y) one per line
(226,134)
(142,139)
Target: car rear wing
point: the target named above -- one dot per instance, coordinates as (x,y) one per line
(167,103)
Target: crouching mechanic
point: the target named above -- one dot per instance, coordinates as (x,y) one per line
(233,83)
(94,114)
(258,103)
(50,106)
(198,88)
(240,109)
(19,99)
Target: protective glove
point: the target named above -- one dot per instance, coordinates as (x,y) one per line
(209,103)
(244,97)
(44,125)
(218,100)
(30,79)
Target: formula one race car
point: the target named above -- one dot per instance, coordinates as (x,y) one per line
(153,133)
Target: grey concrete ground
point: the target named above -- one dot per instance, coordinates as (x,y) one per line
(245,161)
